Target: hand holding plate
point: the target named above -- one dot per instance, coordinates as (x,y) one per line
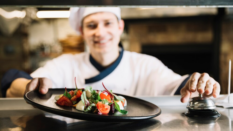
(40,84)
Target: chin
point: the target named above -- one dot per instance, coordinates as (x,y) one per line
(102,51)
(104,48)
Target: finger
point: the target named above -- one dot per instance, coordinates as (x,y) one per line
(185,95)
(32,85)
(44,85)
(204,95)
(207,96)
(209,86)
(216,90)
(193,81)
(202,82)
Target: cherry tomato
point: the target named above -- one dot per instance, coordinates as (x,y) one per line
(74,98)
(64,101)
(71,93)
(102,108)
(77,96)
(105,95)
(79,93)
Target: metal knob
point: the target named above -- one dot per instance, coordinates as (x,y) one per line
(201,103)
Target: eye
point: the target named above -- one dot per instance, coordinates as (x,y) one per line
(91,26)
(108,23)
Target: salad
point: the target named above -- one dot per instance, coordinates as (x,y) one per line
(94,101)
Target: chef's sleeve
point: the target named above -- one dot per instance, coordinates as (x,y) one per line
(9,77)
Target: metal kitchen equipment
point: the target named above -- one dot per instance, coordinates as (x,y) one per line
(202,107)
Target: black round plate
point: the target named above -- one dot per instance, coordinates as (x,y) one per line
(137,109)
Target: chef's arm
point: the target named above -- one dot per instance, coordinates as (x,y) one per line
(21,85)
(182,85)
(15,83)
(17,87)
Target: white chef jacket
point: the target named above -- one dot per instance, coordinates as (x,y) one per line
(132,74)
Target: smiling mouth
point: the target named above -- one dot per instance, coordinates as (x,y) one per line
(101,43)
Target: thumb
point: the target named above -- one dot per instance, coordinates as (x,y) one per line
(44,85)
(32,85)
(185,94)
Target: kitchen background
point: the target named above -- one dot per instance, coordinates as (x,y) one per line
(186,39)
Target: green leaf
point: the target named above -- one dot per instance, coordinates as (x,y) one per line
(124,111)
(66,94)
(83,98)
(89,107)
(117,107)
(98,97)
(118,98)
(94,97)
(104,101)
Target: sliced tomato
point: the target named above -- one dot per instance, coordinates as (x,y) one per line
(102,108)
(105,95)
(71,93)
(79,93)
(77,96)
(74,98)
(123,103)
(64,101)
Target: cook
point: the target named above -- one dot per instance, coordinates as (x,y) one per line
(122,71)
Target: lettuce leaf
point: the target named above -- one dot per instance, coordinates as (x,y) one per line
(89,108)
(95,97)
(88,88)
(84,99)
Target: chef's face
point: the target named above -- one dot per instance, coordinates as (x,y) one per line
(101,31)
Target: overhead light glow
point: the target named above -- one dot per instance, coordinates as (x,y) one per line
(53,14)
(12,14)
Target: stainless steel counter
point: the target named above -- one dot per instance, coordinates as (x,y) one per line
(17,115)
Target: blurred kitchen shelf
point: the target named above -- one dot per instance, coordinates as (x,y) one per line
(188,48)
(182,57)
(169,19)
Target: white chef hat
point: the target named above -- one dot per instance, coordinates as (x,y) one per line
(77,14)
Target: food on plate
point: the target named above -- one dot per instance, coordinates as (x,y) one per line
(95,101)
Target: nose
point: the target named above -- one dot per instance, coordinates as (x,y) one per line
(100,31)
